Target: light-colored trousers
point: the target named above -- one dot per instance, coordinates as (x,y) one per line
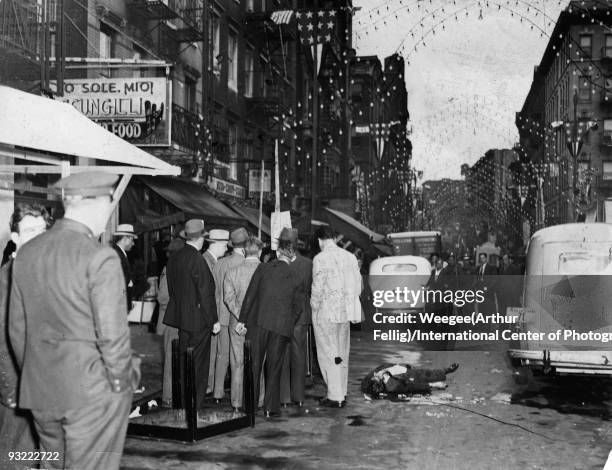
(86,438)
(219,361)
(333,340)
(236,363)
(170,334)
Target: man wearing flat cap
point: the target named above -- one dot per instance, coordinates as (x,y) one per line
(192,308)
(237,241)
(124,238)
(69,331)
(270,310)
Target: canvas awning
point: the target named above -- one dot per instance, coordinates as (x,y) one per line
(194,201)
(48,133)
(252,216)
(352,229)
(135,212)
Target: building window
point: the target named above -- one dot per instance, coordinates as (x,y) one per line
(586,44)
(190,95)
(232,61)
(215,27)
(584,88)
(607,171)
(608,47)
(252,5)
(265,72)
(607,132)
(106,42)
(249,72)
(233,152)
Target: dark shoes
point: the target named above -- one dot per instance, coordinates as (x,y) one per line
(299,403)
(332,403)
(452,368)
(272,414)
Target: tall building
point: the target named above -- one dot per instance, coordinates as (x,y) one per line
(565,124)
(381,148)
(494,194)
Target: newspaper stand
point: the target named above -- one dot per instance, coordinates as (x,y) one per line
(183,422)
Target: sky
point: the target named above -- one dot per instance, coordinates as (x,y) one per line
(471,76)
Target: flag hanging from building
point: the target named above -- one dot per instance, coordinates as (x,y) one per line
(282,16)
(315,27)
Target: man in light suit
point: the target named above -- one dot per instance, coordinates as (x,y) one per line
(69,331)
(336,285)
(238,239)
(217,248)
(192,308)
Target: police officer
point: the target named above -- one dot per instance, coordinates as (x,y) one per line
(69,331)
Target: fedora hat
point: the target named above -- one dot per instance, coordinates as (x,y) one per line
(238,237)
(194,228)
(218,235)
(125,230)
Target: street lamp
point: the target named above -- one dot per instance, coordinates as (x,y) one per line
(575,132)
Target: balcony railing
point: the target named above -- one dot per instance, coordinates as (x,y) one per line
(188,129)
(184,17)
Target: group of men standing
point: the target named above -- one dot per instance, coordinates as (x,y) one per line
(66,364)
(216,300)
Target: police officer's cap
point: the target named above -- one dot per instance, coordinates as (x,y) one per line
(88,184)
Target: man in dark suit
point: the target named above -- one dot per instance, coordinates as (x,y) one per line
(270,310)
(124,238)
(192,308)
(27,222)
(69,331)
(485,280)
(293,379)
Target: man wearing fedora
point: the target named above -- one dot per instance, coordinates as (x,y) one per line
(270,310)
(217,240)
(237,242)
(123,242)
(192,308)
(69,331)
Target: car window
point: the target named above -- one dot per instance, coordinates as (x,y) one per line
(399,268)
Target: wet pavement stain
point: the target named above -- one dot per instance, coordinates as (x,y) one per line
(357,420)
(271,435)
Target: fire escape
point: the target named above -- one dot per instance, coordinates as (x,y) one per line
(165,27)
(21,30)
(272,95)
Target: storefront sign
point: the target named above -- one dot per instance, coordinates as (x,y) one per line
(255,183)
(225,187)
(135,109)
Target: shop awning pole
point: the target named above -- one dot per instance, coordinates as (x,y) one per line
(261,191)
(276,178)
